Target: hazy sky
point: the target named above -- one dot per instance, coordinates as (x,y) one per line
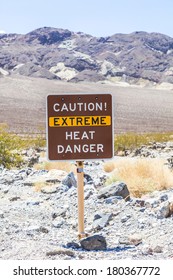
(95,17)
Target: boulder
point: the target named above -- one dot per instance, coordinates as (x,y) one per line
(115,189)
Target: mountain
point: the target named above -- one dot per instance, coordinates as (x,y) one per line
(136,58)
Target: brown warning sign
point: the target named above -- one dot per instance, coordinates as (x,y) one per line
(79,126)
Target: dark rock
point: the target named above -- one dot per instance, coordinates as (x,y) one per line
(130,240)
(163,211)
(1,215)
(115,189)
(88,179)
(43,230)
(55,215)
(157,249)
(33,203)
(101,220)
(73,245)
(70,180)
(95,242)
(113,199)
(125,218)
(88,194)
(61,252)
(153,249)
(15,198)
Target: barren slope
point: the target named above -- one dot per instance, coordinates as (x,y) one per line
(23,104)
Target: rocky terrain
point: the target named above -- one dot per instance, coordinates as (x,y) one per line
(38,214)
(53,53)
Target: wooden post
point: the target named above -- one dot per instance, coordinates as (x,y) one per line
(80,190)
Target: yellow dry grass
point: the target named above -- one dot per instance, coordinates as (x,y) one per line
(140,175)
(59,165)
(38,186)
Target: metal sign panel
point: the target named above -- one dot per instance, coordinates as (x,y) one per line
(79,126)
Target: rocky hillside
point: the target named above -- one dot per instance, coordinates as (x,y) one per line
(53,53)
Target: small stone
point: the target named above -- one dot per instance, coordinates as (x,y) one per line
(101,220)
(140,202)
(49,189)
(62,212)
(73,245)
(157,249)
(33,203)
(152,202)
(15,198)
(130,240)
(1,215)
(55,215)
(95,242)
(87,179)
(164,197)
(163,211)
(58,222)
(32,229)
(125,218)
(60,252)
(43,230)
(113,199)
(88,194)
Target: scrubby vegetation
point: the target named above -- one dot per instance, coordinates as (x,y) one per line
(130,141)
(60,165)
(141,175)
(11,146)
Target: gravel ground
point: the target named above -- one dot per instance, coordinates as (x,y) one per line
(38,218)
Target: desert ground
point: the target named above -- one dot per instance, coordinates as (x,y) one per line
(137,109)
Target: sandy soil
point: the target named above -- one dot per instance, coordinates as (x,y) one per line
(23,104)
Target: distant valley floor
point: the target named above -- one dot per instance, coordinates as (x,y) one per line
(23,104)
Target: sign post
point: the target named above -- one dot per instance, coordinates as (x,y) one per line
(79,127)
(80,189)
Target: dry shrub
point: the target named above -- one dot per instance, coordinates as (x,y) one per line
(109,166)
(38,186)
(141,175)
(59,165)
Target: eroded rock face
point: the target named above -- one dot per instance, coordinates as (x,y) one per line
(130,58)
